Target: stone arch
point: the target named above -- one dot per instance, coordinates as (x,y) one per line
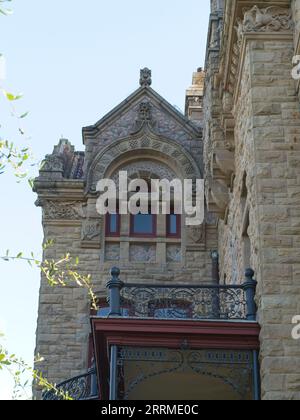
(146,169)
(148,147)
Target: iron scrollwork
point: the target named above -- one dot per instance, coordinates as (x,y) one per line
(83,387)
(186,302)
(232,368)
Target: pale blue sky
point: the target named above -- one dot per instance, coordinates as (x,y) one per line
(74,61)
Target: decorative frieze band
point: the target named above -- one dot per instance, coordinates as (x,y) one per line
(56,210)
(271,19)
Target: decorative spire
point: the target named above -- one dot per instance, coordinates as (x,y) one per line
(146,77)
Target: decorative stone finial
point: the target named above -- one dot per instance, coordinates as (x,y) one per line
(146,77)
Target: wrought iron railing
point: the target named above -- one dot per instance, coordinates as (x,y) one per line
(184,302)
(83,387)
(203,302)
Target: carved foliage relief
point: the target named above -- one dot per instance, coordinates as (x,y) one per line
(55,210)
(255,20)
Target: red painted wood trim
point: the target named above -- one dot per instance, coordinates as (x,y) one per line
(175,326)
(168,334)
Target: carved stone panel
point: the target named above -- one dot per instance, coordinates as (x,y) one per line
(91,233)
(174,253)
(56,210)
(112,252)
(271,19)
(196,234)
(145,253)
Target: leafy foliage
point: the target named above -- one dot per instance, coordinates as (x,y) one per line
(62,272)
(18,368)
(4,10)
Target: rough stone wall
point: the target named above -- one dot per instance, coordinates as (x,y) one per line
(255,72)
(63,321)
(276,139)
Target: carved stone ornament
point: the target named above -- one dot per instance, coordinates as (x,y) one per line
(91,230)
(145,169)
(53,163)
(145,118)
(271,19)
(146,77)
(143,253)
(55,210)
(197,233)
(112,252)
(256,20)
(174,253)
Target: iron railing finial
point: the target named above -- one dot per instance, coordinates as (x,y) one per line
(250,290)
(114,285)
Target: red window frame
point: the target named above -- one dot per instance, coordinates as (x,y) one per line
(144,235)
(176,235)
(107,225)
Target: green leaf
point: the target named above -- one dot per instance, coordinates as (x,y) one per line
(31,182)
(10,96)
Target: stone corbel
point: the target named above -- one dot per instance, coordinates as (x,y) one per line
(220,195)
(225,161)
(229,125)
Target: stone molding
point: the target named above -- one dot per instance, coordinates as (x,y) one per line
(146,141)
(145,169)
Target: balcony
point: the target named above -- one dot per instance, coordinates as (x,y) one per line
(162,341)
(183,302)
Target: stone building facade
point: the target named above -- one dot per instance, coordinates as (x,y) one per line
(241,132)
(252,157)
(149,139)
